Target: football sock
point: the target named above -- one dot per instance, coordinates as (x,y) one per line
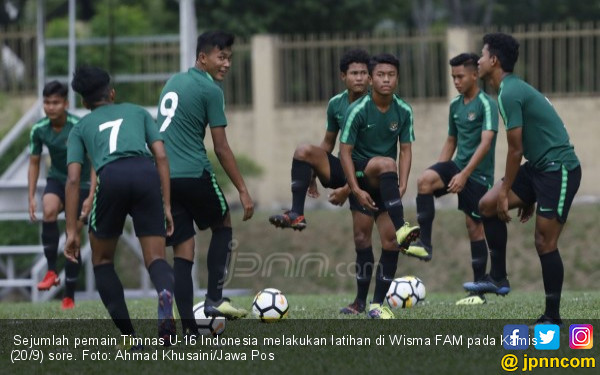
(496,235)
(301,175)
(71,274)
(552,273)
(479,252)
(184,292)
(388,188)
(386,269)
(50,238)
(364,271)
(425,216)
(217,261)
(111,293)
(161,275)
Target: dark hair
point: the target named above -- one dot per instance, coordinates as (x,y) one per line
(383,58)
(92,83)
(210,39)
(359,56)
(465,59)
(55,88)
(504,47)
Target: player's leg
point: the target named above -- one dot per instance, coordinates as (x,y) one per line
(52,206)
(386,267)
(362,229)
(72,268)
(382,173)
(479,252)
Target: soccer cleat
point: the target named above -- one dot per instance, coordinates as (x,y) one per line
(166,322)
(51,279)
(419,251)
(355,308)
(223,308)
(472,299)
(127,344)
(377,311)
(545,319)
(407,234)
(288,219)
(68,303)
(488,285)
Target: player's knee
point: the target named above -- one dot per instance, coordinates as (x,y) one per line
(424,185)
(475,230)
(302,152)
(545,244)
(50,213)
(362,240)
(389,243)
(487,207)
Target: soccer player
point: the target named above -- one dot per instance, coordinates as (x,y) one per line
(373,127)
(550,177)
(472,129)
(53,131)
(117,138)
(310,162)
(190,103)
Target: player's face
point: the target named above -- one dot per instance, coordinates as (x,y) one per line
(384,79)
(55,106)
(217,62)
(464,78)
(356,78)
(485,62)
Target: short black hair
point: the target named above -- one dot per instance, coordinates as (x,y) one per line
(92,83)
(504,47)
(55,88)
(211,39)
(466,60)
(383,58)
(359,56)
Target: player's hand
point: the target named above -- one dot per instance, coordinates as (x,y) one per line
(86,208)
(365,200)
(401,190)
(313,190)
(247,204)
(72,246)
(169,221)
(338,196)
(457,183)
(525,213)
(502,207)
(32,209)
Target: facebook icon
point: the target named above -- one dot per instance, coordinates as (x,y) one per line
(515,337)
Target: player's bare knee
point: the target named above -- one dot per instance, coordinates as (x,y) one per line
(424,185)
(362,241)
(487,207)
(51,213)
(545,244)
(302,152)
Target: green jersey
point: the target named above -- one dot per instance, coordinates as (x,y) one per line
(466,122)
(546,143)
(111,132)
(189,102)
(42,134)
(373,133)
(336,109)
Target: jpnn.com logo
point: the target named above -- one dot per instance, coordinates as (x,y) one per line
(581,336)
(516,337)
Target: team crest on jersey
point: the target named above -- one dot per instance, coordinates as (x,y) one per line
(393,126)
(471,116)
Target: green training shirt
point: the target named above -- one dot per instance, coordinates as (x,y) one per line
(189,102)
(42,134)
(373,133)
(466,122)
(546,142)
(336,109)
(111,132)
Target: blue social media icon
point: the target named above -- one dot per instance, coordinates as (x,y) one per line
(515,337)
(547,336)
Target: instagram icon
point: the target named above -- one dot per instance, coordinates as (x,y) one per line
(581,336)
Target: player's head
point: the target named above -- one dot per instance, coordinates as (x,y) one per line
(383,69)
(93,84)
(55,100)
(213,53)
(464,71)
(499,51)
(354,70)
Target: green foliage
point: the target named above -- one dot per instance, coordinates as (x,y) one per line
(248,168)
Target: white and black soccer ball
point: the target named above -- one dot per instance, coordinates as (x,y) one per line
(405,292)
(208,325)
(270,305)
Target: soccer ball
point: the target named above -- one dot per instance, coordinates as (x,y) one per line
(208,325)
(405,292)
(270,305)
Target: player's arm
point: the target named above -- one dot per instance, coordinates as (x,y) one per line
(404,164)
(86,207)
(227,160)
(448,149)
(460,179)
(513,162)
(71,204)
(162,165)
(32,178)
(328,142)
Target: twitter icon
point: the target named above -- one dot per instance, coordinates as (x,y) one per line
(547,337)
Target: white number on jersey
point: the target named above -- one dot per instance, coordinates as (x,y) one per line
(168,112)
(114,131)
